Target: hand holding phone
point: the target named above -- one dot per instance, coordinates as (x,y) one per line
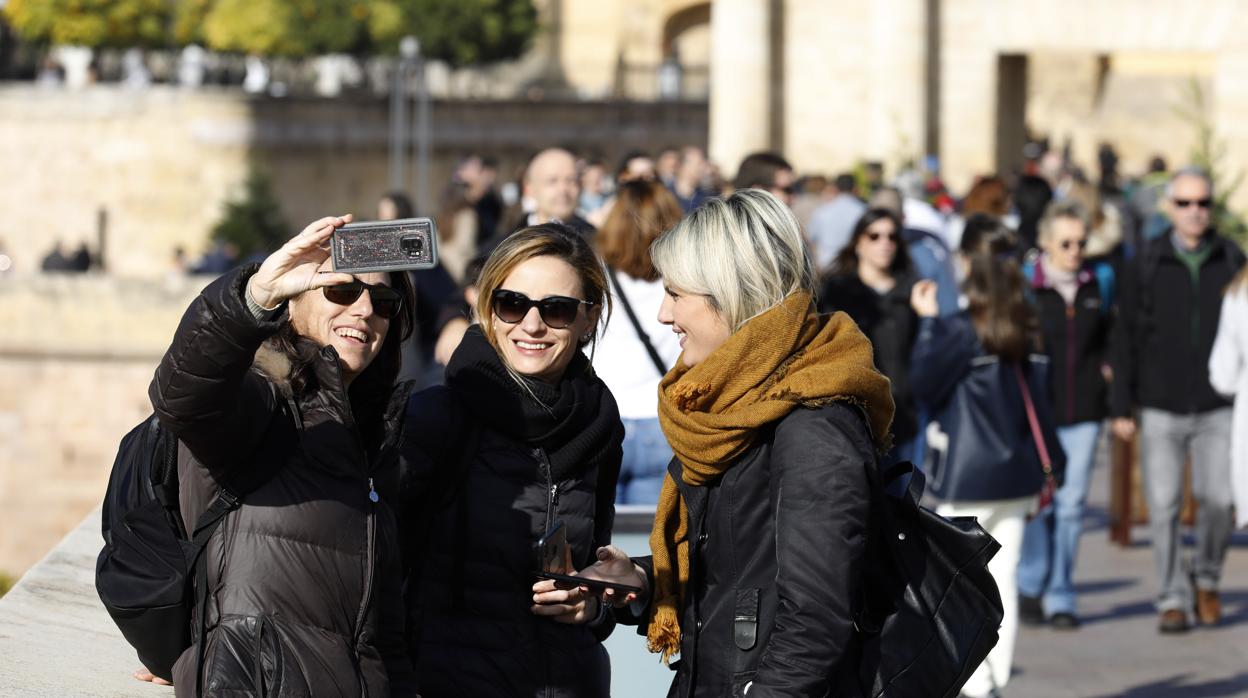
(555,563)
(398,245)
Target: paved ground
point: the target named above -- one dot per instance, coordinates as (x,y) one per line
(1118,651)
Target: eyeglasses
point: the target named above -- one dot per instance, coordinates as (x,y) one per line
(1184,203)
(558,312)
(1067,244)
(875,237)
(386,301)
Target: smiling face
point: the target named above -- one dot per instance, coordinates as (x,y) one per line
(877,246)
(531,347)
(355,331)
(700,327)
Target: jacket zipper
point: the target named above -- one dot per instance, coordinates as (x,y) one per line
(552,488)
(1070,363)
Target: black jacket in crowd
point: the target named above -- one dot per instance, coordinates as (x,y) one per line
(485,480)
(1166,327)
(1076,339)
(305,578)
(777,554)
(890,323)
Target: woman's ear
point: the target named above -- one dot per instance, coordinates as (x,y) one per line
(593,314)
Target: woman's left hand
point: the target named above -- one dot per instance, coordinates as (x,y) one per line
(573,606)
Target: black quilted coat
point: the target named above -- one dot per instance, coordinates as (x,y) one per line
(304,578)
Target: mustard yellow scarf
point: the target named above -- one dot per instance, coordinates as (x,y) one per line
(789,356)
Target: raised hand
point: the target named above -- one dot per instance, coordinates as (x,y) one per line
(923,299)
(292,269)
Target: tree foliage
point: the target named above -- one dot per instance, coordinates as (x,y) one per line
(253,222)
(93,23)
(461,32)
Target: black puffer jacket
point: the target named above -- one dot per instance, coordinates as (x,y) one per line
(891,324)
(305,577)
(776,563)
(478,496)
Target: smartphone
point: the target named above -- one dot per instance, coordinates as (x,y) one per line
(555,562)
(399,245)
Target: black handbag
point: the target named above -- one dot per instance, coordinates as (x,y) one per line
(931,610)
(980,443)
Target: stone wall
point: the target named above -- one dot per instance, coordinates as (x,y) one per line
(76,357)
(161,162)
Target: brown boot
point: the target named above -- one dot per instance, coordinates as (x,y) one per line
(1208,606)
(1173,621)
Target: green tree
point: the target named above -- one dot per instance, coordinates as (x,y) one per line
(464,32)
(93,23)
(253,222)
(1209,152)
(291,28)
(6,583)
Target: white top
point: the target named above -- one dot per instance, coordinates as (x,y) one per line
(1228,374)
(620,358)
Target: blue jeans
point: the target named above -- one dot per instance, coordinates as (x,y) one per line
(646,455)
(1051,539)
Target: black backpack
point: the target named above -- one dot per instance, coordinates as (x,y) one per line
(931,609)
(144,572)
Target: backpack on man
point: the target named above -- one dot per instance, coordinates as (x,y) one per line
(931,608)
(147,574)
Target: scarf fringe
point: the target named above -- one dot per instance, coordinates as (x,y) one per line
(663,635)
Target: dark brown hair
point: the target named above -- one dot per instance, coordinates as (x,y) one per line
(846,261)
(642,212)
(989,195)
(994,287)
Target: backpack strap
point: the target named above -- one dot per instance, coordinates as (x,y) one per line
(632,317)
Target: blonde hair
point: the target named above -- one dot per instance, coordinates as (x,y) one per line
(745,253)
(1067,208)
(547,240)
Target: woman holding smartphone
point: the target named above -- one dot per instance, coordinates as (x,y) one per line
(775,412)
(523,437)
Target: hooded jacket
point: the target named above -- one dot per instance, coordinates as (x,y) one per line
(304,578)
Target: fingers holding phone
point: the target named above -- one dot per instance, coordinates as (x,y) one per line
(555,600)
(293,268)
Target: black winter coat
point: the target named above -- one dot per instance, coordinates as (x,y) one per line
(1076,338)
(777,559)
(305,577)
(890,323)
(1166,327)
(480,500)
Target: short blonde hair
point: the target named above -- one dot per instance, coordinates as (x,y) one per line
(1064,208)
(745,252)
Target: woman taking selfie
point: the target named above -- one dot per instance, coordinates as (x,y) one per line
(774,412)
(871,280)
(290,369)
(524,436)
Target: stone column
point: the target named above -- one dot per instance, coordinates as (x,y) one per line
(740,113)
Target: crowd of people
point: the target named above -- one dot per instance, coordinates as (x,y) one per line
(730,353)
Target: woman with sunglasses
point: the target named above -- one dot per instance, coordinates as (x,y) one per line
(1073,301)
(871,280)
(775,412)
(288,370)
(522,437)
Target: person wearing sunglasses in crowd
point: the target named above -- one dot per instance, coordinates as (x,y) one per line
(294,362)
(775,412)
(522,436)
(871,280)
(1073,300)
(1171,298)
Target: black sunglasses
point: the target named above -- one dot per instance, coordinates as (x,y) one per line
(1067,244)
(558,312)
(386,301)
(875,237)
(1184,203)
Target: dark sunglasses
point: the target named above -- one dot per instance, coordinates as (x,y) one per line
(1067,244)
(558,312)
(1184,203)
(386,301)
(875,237)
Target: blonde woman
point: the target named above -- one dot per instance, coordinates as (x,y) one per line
(774,412)
(1228,374)
(523,435)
